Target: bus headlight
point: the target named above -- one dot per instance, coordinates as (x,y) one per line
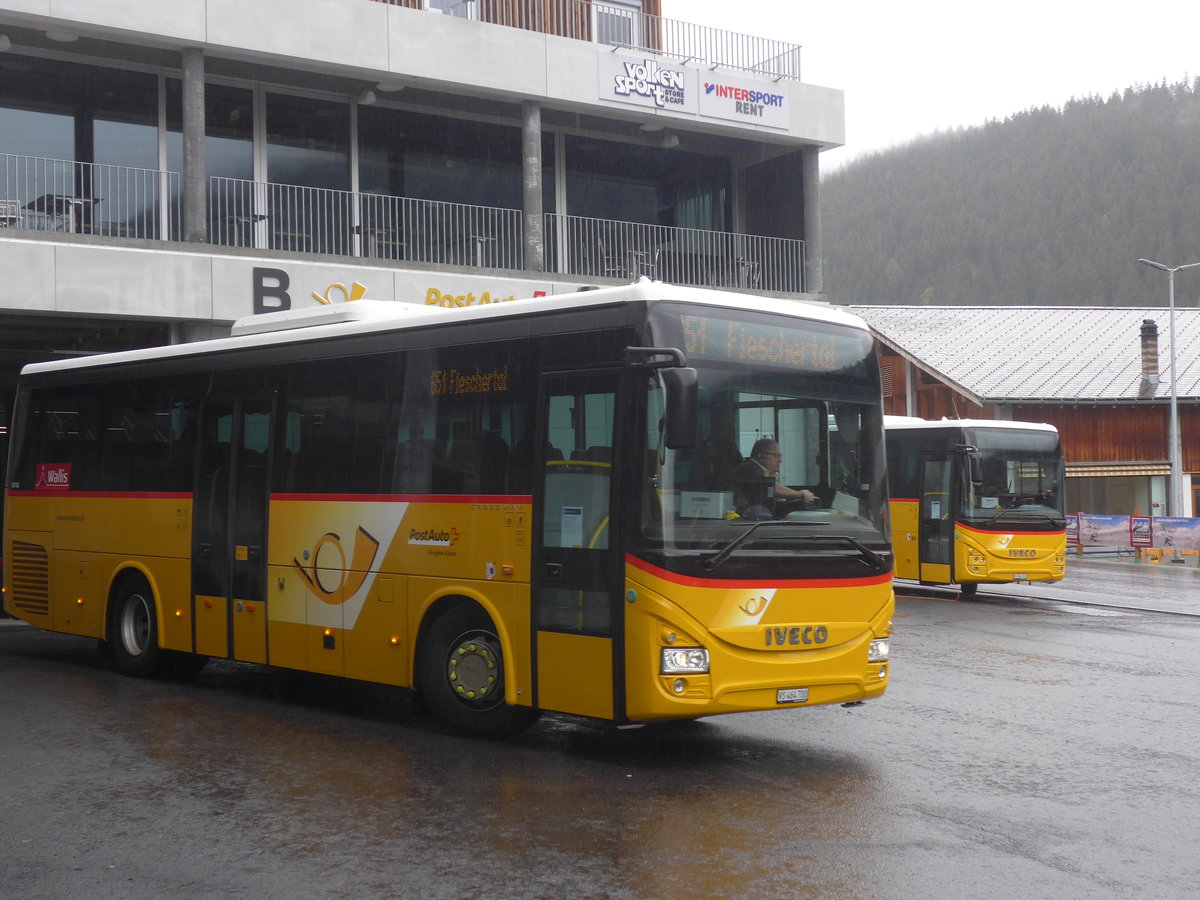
(684,661)
(878,651)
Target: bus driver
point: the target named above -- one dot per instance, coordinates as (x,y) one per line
(757,487)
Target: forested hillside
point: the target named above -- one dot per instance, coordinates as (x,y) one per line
(1049,206)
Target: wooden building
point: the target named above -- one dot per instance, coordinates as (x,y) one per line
(1102,376)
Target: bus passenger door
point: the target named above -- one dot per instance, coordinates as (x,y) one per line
(576,571)
(936,537)
(229,530)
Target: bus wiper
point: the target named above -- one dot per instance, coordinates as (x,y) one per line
(1025,513)
(870,557)
(711,562)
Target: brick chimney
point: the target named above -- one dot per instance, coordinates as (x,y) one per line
(1150,351)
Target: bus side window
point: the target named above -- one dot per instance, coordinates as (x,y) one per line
(412,470)
(337,427)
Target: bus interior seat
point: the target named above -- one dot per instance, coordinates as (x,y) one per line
(593,454)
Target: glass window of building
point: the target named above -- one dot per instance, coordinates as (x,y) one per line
(34,119)
(306,206)
(66,113)
(228,130)
(650,185)
(228,154)
(408,154)
(308,142)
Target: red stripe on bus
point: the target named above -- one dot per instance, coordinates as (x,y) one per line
(406,498)
(91,495)
(751,584)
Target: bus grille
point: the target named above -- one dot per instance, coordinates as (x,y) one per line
(30,578)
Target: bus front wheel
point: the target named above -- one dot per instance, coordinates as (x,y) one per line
(133,630)
(461,676)
(968,591)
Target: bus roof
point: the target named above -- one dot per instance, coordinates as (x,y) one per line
(367,317)
(897,423)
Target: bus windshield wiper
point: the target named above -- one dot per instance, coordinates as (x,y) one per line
(711,562)
(869,556)
(1025,513)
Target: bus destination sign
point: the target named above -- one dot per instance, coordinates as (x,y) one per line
(724,340)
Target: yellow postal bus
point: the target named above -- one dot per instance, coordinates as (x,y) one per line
(976,501)
(510,508)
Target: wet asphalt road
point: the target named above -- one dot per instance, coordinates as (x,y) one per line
(1029,746)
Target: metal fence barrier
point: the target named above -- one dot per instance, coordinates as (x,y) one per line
(606,248)
(374,226)
(88,198)
(118,201)
(623,26)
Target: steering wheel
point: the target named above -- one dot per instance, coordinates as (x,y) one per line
(795,505)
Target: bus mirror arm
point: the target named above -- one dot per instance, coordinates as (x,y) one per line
(681,383)
(653,357)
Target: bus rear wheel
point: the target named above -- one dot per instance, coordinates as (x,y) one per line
(133,630)
(460,672)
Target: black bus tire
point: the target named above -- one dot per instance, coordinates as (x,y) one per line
(133,630)
(460,675)
(968,591)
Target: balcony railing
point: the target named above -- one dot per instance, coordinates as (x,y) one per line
(88,198)
(621,26)
(374,226)
(85,198)
(626,250)
(377,226)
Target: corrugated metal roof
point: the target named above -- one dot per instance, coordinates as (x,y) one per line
(1008,354)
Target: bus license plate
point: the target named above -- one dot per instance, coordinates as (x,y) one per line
(1020,576)
(791,695)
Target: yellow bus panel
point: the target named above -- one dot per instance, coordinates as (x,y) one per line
(575,674)
(762,638)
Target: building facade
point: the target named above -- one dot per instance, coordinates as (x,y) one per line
(1101,376)
(166,168)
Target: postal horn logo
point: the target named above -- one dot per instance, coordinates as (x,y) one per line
(754,606)
(327,573)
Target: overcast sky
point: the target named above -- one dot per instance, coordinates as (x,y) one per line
(910,69)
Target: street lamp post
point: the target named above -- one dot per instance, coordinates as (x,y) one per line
(1175,492)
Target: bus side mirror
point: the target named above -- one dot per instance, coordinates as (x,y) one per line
(680,427)
(975,467)
(974,462)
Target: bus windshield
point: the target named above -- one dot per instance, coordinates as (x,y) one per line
(789,448)
(1018,474)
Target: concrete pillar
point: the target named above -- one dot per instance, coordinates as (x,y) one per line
(813,281)
(531,171)
(195,175)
